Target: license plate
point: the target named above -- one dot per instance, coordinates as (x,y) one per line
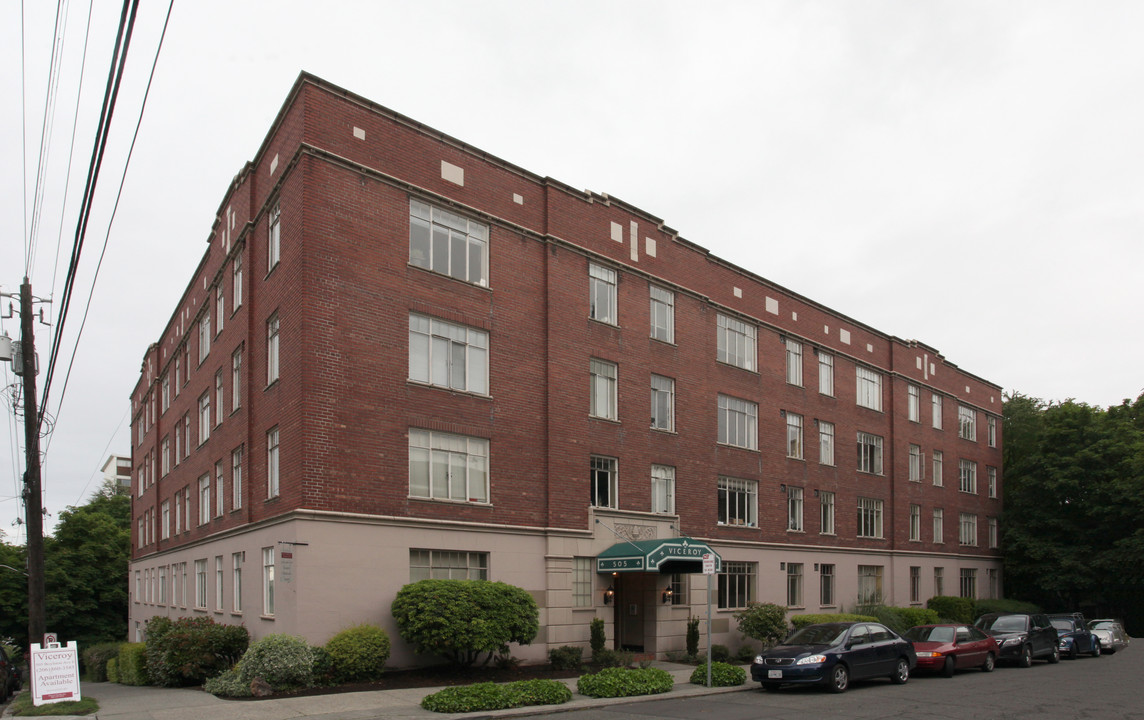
(775,674)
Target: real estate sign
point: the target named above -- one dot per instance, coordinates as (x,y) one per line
(55,673)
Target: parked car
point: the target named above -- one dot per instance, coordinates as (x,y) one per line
(9,676)
(1022,636)
(1111,634)
(1075,637)
(949,648)
(834,654)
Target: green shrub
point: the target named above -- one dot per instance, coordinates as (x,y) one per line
(95,660)
(358,654)
(746,654)
(228,684)
(490,696)
(132,664)
(901,619)
(1001,605)
(283,661)
(613,658)
(953,609)
(625,682)
(460,620)
(801,621)
(186,651)
(722,675)
(323,666)
(113,670)
(566,657)
(720,653)
(765,622)
(596,636)
(692,636)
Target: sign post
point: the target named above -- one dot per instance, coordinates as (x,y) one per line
(708,570)
(55,673)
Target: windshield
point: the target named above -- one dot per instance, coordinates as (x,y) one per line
(1101,625)
(1062,624)
(930,634)
(817,635)
(1004,623)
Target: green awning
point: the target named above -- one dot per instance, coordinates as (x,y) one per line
(669,555)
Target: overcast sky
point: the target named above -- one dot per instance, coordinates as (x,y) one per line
(967,174)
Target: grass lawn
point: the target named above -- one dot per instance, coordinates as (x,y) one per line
(21,705)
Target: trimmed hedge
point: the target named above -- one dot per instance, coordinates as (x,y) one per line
(625,682)
(953,609)
(283,661)
(132,665)
(801,621)
(95,660)
(1002,605)
(566,657)
(901,619)
(491,696)
(358,654)
(722,675)
(113,670)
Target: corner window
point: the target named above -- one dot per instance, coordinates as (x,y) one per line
(992,430)
(448,243)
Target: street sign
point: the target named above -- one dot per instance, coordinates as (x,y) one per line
(708,563)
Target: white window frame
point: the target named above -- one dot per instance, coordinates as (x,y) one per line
(794,584)
(205,335)
(736,585)
(165,526)
(426,564)
(793,362)
(662,314)
(274,237)
(736,343)
(236,379)
(795,509)
(917,463)
(220,483)
(602,300)
(220,405)
(201,584)
(738,500)
(794,436)
(204,499)
(938,468)
(915,522)
(914,403)
(663,489)
(966,423)
(447,354)
(220,307)
(870,453)
(967,529)
(967,476)
(219,596)
(268,580)
(273,460)
(273,327)
(662,403)
(448,467)
(603,386)
(968,583)
(204,417)
(236,477)
(938,581)
(994,533)
(915,584)
(603,481)
(871,584)
(939,526)
(937,411)
(826,585)
(738,422)
(448,244)
(869,388)
(991,474)
(236,561)
(870,511)
(582,574)
(825,374)
(991,430)
(825,443)
(236,285)
(826,512)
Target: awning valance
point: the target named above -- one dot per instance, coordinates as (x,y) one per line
(668,555)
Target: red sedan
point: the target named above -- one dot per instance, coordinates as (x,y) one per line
(949,648)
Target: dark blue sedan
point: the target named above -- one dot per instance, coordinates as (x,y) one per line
(834,654)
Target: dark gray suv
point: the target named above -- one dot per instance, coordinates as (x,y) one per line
(1022,636)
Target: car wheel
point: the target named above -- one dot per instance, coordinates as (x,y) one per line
(989,664)
(949,666)
(1025,659)
(1055,657)
(839,679)
(902,672)
(1096,648)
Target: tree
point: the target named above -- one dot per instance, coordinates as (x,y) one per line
(14,593)
(461,619)
(765,622)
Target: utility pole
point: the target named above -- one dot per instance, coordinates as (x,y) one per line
(33,501)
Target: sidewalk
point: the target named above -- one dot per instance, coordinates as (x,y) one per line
(128,702)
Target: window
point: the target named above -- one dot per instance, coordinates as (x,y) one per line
(166,455)
(219,484)
(448,244)
(994,582)
(138,586)
(448,565)
(914,403)
(274,237)
(166,393)
(662,314)
(162,585)
(869,518)
(205,499)
(272,349)
(178,365)
(602,294)
(738,501)
(236,560)
(794,362)
(794,584)
(268,581)
(993,533)
(165,531)
(736,343)
(967,529)
(870,584)
(938,457)
(869,388)
(915,463)
(603,481)
(938,581)
(937,411)
(178,512)
(991,429)
(966,423)
(915,584)
(662,403)
(204,417)
(204,335)
(272,463)
(825,442)
(826,373)
(738,422)
(220,307)
(968,582)
(869,453)
(915,523)
(677,585)
(967,476)
(219,406)
(794,509)
(201,584)
(736,585)
(602,379)
(218,594)
(938,525)
(236,277)
(991,473)
(826,505)
(826,585)
(794,435)
(236,478)
(236,380)
(448,355)
(443,466)
(663,489)
(582,582)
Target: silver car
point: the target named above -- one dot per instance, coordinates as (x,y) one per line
(1111,634)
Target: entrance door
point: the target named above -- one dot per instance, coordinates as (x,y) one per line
(629,610)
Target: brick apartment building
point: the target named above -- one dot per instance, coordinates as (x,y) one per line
(401,357)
